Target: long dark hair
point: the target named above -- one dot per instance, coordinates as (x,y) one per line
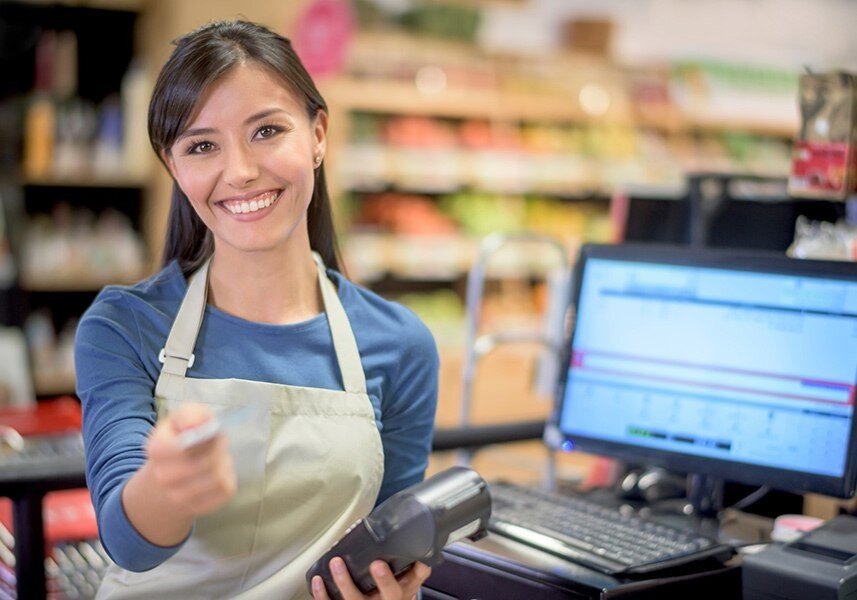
(199,59)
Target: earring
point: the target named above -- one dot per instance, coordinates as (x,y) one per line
(317,160)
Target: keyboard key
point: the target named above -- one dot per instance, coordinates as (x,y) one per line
(593,535)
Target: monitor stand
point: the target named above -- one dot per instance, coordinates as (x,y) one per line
(695,494)
(705,495)
(691,501)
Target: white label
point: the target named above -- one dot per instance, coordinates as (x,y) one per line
(462,532)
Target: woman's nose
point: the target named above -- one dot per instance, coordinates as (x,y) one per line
(241,168)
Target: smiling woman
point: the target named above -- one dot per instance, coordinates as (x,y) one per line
(249,311)
(250,143)
(184,118)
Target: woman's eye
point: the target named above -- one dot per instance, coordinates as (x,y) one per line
(201,148)
(267,131)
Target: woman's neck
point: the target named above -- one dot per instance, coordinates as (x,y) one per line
(266,287)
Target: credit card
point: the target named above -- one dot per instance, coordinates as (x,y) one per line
(205,431)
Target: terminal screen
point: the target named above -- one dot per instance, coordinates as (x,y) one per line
(748,367)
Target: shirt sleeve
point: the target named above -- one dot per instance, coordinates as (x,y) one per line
(409,412)
(116,394)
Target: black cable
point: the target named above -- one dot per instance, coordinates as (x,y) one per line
(750,498)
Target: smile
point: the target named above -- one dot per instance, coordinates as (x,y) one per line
(250,205)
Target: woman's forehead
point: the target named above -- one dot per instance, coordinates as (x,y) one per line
(244,90)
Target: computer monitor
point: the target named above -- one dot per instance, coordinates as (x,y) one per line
(735,365)
(753,213)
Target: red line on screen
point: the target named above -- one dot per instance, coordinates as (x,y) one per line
(578,355)
(716,386)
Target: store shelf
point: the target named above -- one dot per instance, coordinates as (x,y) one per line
(84,181)
(373,168)
(422,155)
(75,283)
(772,129)
(576,193)
(374,257)
(402,97)
(389,154)
(53,383)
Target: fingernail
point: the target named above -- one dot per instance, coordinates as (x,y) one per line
(378,570)
(338,566)
(317,585)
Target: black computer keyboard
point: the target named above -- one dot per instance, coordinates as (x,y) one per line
(40,454)
(590,534)
(73,569)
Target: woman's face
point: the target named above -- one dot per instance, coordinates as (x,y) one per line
(246,160)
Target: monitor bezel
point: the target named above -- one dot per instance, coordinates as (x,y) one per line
(737,260)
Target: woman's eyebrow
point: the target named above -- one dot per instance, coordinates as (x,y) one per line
(195,132)
(209,130)
(264,113)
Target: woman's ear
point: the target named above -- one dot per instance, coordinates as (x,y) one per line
(320,133)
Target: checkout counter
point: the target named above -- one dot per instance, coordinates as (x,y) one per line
(821,565)
(501,568)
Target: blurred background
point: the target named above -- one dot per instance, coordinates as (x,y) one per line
(681,121)
(450,120)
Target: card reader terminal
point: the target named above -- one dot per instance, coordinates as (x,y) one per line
(414,524)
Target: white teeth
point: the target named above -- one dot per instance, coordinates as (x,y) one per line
(247,206)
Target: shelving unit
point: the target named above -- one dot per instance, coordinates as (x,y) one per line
(61,285)
(403,97)
(117,181)
(381,82)
(53,384)
(564,151)
(73,227)
(571,189)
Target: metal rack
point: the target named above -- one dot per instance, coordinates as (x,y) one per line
(467,438)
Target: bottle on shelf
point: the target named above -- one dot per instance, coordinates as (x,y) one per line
(135,92)
(39,127)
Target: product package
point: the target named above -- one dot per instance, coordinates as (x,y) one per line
(824,158)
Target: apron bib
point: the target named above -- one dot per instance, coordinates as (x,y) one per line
(309,464)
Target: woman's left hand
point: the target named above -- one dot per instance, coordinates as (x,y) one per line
(389,588)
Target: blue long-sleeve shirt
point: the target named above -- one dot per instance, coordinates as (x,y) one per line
(116,358)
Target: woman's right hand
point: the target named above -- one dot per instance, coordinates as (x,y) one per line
(194,481)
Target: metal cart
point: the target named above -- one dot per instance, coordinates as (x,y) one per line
(467,438)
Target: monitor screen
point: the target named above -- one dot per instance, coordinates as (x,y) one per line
(736,365)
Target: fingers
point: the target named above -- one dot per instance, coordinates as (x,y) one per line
(164,444)
(405,586)
(163,440)
(343,580)
(210,458)
(388,587)
(189,415)
(196,480)
(205,490)
(413,579)
(319,592)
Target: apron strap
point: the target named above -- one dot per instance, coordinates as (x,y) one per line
(344,344)
(177,355)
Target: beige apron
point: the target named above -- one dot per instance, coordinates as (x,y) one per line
(309,464)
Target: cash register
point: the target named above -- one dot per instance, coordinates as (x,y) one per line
(724,365)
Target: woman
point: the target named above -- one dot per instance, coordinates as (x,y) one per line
(341,384)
